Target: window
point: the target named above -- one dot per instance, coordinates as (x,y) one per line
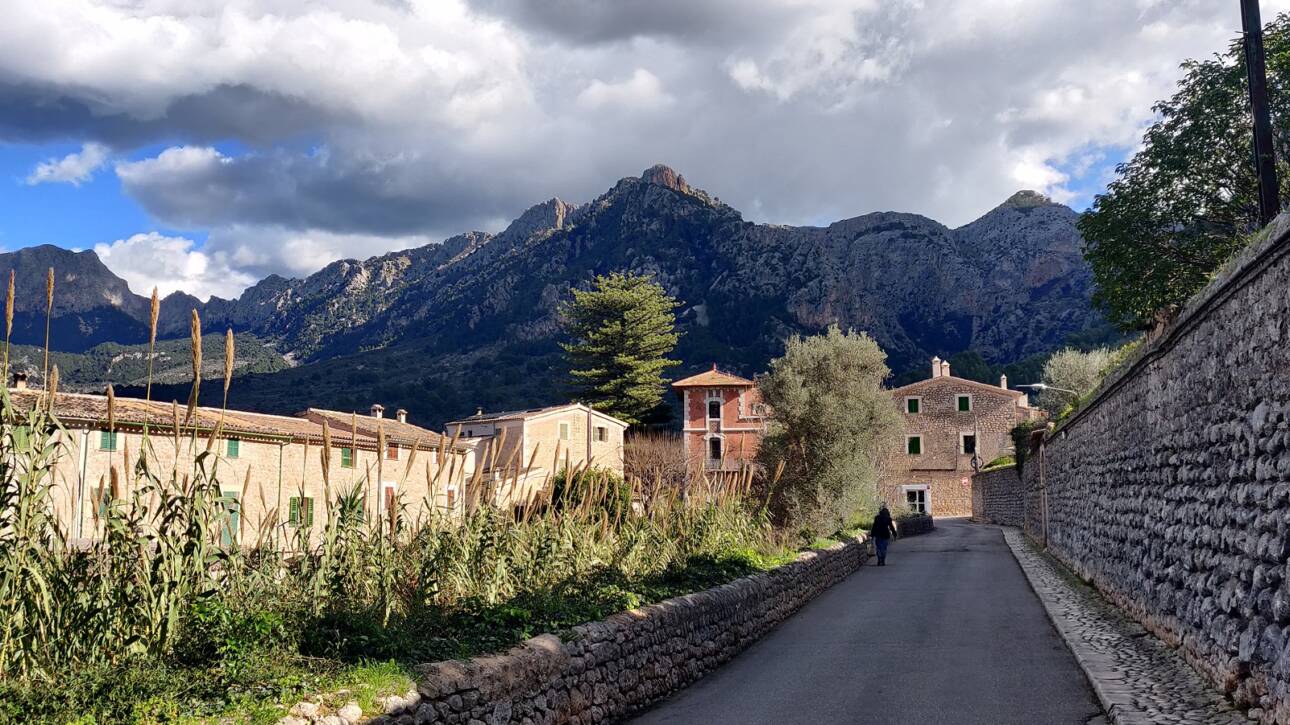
(234,447)
(759,409)
(301,512)
(452,499)
(967,444)
(390,504)
(965,403)
(347,458)
(714,449)
(714,410)
(914,445)
(102,499)
(602,433)
(231,525)
(564,431)
(916,498)
(912,405)
(107,440)
(392,452)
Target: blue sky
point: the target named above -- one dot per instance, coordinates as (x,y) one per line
(201,146)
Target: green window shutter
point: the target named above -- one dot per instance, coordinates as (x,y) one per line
(308,507)
(294,516)
(107,440)
(232,519)
(347,458)
(914,446)
(965,403)
(911,405)
(234,447)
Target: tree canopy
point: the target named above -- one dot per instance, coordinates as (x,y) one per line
(622,331)
(831,423)
(1181,206)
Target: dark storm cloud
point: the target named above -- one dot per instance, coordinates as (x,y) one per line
(399,195)
(30,114)
(602,21)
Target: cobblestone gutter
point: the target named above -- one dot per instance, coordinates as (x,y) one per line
(1137,678)
(606,670)
(1170,490)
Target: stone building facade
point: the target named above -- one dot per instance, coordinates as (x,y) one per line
(723,420)
(948,422)
(519,451)
(269,467)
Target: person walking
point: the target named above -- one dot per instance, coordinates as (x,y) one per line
(883,531)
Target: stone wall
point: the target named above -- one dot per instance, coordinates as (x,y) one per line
(914,525)
(1170,491)
(606,670)
(997,497)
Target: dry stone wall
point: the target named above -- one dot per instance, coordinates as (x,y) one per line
(605,670)
(997,497)
(914,525)
(1171,489)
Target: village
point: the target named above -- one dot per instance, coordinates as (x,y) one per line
(274,465)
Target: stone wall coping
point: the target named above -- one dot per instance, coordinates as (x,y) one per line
(1268,245)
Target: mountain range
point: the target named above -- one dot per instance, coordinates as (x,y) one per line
(472,322)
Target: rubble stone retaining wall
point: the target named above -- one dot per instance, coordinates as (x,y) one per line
(997,497)
(606,670)
(1170,490)
(914,525)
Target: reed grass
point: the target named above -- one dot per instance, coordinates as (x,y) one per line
(156,613)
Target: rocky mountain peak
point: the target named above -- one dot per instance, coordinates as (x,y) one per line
(663,175)
(1026,199)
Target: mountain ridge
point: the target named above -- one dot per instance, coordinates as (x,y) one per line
(1009,284)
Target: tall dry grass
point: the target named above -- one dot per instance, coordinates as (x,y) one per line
(159,583)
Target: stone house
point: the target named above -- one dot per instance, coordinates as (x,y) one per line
(269,467)
(518,452)
(723,420)
(949,423)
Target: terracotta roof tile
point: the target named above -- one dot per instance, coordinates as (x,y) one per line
(713,378)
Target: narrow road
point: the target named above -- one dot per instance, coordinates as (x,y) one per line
(948,632)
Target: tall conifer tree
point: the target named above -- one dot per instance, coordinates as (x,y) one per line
(622,331)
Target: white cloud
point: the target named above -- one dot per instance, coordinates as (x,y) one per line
(172,264)
(642,92)
(428,119)
(74,168)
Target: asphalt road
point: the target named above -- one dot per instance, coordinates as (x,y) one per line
(947,632)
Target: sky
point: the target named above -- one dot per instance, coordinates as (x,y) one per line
(200,145)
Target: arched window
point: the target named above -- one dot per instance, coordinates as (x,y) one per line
(714,410)
(714,449)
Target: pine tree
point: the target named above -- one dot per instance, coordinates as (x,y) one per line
(622,328)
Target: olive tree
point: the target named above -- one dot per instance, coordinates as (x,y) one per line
(831,423)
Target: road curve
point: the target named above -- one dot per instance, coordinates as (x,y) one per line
(948,632)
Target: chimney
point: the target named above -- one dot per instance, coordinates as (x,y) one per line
(1003,381)
(402,415)
(936,367)
(479,411)
(20,381)
(945,368)
(378,410)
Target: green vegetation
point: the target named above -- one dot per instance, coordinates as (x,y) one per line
(1187,200)
(1000,462)
(1081,373)
(623,329)
(1021,435)
(831,422)
(127,365)
(160,620)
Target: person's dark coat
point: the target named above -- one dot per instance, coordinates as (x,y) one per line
(883,527)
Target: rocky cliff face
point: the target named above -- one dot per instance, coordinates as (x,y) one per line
(476,316)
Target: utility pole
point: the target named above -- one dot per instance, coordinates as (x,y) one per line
(1256,69)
